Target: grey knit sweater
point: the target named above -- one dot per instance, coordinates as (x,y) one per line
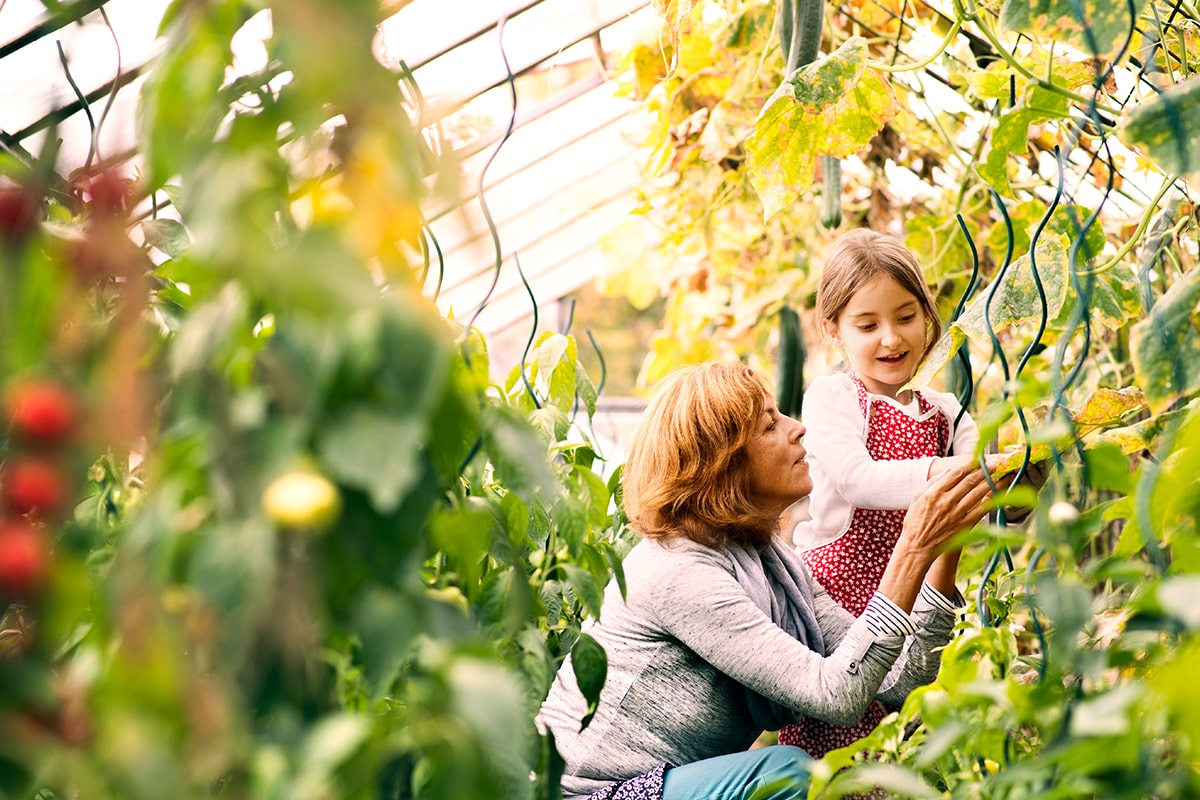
(688,636)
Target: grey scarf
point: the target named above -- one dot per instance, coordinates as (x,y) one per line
(778,583)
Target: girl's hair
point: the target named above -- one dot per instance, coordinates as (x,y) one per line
(687,472)
(859,256)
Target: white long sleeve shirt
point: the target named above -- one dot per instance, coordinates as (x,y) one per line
(844,474)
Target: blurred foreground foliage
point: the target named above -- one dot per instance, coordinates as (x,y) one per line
(318,553)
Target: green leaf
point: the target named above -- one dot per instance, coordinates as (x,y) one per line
(560,374)
(332,741)
(589,487)
(506,601)
(1177,597)
(586,390)
(517,455)
(489,699)
(207,331)
(1101,29)
(833,106)
(179,118)
(551,422)
(1065,219)
(1012,134)
(585,586)
(1109,468)
(897,781)
(571,521)
(167,235)
(1108,713)
(463,535)
(385,623)
(590,664)
(1165,346)
(375,451)
(1174,687)
(615,564)
(1167,127)
(516,517)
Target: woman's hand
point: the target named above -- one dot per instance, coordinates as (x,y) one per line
(951,502)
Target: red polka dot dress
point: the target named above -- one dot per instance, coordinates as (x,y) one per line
(851,566)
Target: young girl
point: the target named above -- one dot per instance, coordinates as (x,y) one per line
(872,444)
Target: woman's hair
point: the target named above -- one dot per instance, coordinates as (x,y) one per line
(687,473)
(859,256)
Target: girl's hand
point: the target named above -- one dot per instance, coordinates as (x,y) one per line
(940,465)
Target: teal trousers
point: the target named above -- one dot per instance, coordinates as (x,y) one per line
(779,772)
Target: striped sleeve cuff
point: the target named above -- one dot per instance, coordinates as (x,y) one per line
(885,618)
(939,601)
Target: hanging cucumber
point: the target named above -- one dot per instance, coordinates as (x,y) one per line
(787,26)
(809,20)
(831,191)
(804,21)
(800,26)
(789,379)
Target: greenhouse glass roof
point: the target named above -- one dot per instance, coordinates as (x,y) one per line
(552,186)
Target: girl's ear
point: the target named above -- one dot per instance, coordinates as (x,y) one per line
(831,332)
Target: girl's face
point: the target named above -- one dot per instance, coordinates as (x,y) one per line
(883,332)
(778,472)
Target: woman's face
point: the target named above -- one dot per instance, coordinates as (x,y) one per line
(778,472)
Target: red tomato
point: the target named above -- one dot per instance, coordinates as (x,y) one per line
(33,484)
(19,214)
(41,411)
(24,559)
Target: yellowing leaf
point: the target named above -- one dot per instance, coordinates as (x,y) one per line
(1165,346)
(673,13)
(636,265)
(1167,128)
(728,125)
(1098,27)
(833,106)
(1102,409)
(1107,406)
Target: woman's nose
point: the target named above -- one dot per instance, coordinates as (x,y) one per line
(798,430)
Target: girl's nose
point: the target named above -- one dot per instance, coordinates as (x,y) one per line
(890,336)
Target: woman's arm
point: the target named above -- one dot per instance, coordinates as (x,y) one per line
(700,603)
(953,501)
(934,614)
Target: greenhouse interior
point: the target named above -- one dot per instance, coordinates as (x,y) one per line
(541,399)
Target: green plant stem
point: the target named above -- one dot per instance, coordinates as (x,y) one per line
(925,62)
(1151,209)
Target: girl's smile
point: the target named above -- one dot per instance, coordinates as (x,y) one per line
(883,331)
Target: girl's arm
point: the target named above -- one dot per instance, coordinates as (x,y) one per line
(964,438)
(836,441)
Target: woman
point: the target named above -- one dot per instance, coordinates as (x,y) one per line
(722,634)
